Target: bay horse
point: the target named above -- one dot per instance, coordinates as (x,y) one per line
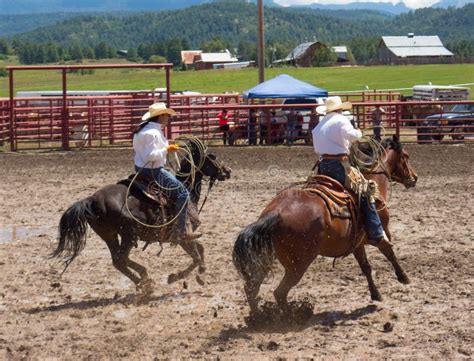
(113,210)
(297,226)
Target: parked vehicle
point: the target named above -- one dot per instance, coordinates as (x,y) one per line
(441,92)
(455,122)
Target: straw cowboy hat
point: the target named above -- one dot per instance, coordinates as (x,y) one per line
(157,109)
(332,104)
(380,109)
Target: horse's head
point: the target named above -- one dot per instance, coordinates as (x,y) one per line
(214,168)
(399,163)
(205,162)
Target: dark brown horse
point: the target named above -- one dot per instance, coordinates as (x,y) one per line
(106,213)
(297,226)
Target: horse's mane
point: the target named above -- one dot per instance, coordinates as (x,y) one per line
(365,155)
(392,143)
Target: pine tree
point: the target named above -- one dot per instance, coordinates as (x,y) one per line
(52,55)
(4,48)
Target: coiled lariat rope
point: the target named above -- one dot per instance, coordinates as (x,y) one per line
(367,163)
(185,143)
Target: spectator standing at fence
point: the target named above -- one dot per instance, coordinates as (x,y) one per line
(263,127)
(252,127)
(299,125)
(223,118)
(377,114)
(291,121)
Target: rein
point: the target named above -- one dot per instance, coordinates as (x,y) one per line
(211,184)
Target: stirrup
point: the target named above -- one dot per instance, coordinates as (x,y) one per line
(380,242)
(177,237)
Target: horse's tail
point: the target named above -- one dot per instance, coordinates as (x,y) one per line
(73,231)
(254,251)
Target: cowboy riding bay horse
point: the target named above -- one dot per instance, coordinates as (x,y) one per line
(298,225)
(119,214)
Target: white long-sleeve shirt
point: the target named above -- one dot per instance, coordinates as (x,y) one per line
(150,146)
(334,134)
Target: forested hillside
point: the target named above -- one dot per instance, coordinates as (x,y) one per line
(14,24)
(231,21)
(49,6)
(35,6)
(233,24)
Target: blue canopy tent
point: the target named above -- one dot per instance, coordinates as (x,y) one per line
(285,86)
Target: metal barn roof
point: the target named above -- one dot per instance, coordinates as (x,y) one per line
(187,56)
(217,57)
(410,46)
(340,49)
(299,51)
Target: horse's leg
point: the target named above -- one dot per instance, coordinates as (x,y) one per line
(145,284)
(127,242)
(196,251)
(290,279)
(387,251)
(361,257)
(252,287)
(120,254)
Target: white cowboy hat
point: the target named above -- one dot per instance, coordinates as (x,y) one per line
(380,109)
(157,109)
(332,104)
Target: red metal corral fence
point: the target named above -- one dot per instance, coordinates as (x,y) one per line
(37,120)
(4,121)
(98,121)
(420,121)
(92,121)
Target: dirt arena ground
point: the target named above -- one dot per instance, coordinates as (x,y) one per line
(91,311)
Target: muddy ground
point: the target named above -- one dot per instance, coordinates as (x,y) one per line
(91,312)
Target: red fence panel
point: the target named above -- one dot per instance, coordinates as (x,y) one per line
(109,120)
(4,121)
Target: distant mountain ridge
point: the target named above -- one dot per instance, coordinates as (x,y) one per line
(47,6)
(452,3)
(384,7)
(8,7)
(22,23)
(235,22)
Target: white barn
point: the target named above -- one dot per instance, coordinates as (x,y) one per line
(413,49)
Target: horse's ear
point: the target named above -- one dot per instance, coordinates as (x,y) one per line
(396,143)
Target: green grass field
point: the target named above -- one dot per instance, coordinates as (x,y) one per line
(218,81)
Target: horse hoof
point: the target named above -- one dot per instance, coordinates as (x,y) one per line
(403,279)
(199,280)
(146,286)
(172,278)
(202,269)
(376,297)
(252,319)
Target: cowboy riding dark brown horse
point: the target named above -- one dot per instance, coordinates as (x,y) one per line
(297,226)
(120,215)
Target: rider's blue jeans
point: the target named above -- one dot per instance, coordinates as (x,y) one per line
(173,188)
(373,225)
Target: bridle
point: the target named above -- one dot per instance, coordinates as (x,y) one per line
(391,177)
(212,179)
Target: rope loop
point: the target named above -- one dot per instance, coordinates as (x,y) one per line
(186,143)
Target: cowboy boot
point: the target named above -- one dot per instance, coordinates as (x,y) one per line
(179,235)
(380,242)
